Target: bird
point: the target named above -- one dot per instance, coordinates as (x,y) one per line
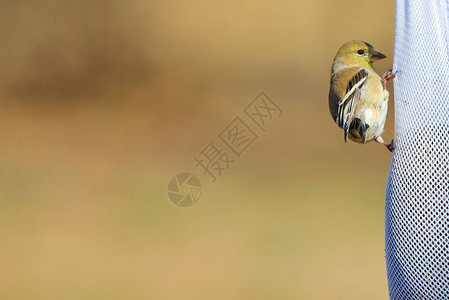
(358,97)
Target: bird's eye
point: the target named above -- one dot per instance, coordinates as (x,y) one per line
(360,52)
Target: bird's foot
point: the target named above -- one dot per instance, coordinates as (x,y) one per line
(387,77)
(389,146)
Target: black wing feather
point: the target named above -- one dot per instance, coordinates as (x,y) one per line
(345,113)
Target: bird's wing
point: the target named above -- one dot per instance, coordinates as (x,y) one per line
(345,111)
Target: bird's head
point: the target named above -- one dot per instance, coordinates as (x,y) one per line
(358,53)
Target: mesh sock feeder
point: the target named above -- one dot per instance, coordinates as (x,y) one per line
(417,192)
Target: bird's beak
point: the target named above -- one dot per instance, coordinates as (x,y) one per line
(376,56)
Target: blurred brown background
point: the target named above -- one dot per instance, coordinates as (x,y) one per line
(103,102)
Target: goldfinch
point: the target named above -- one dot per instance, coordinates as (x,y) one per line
(358,98)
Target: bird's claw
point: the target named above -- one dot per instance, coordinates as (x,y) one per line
(389,75)
(390,146)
